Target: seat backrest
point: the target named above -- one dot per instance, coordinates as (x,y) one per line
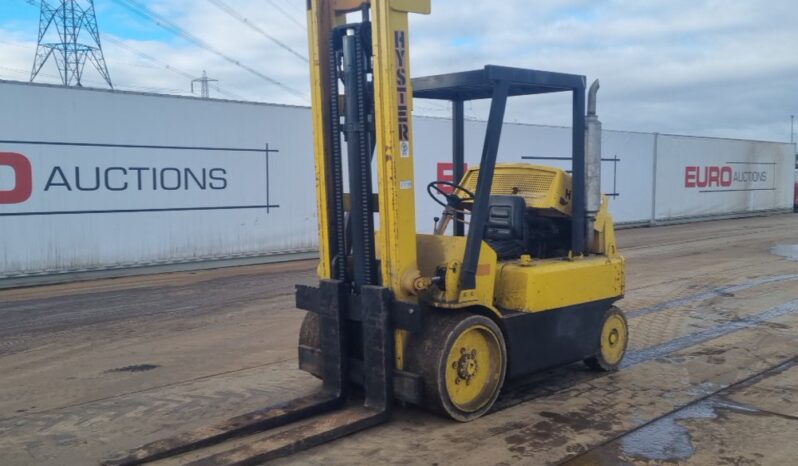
(506,218)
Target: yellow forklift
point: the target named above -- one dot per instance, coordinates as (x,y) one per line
(438,320)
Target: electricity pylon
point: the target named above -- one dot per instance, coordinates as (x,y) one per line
(68,33)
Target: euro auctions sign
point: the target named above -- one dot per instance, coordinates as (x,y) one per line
(732,176)
(698,177)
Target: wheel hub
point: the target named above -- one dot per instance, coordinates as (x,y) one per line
(466,366)
(613,337)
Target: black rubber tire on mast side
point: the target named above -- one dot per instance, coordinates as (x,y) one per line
(310,333)
(455,344)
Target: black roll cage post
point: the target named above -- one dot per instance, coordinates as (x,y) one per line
(498,83)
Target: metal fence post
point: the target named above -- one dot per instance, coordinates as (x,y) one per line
(653,220)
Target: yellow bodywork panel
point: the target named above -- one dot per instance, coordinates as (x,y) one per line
(436,251)
(534,285)
(604,237)
(526,284)
(543,188)
(554,283)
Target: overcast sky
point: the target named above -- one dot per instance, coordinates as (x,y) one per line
(724,68)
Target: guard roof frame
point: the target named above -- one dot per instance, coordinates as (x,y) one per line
(498,83)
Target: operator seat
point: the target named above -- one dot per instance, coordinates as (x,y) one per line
(507,231)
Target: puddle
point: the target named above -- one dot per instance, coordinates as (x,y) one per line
(667,440)
(789,251)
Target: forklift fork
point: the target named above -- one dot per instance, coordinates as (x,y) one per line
(331,300)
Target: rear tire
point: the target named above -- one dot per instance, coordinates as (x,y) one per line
(462,358)
(612,343)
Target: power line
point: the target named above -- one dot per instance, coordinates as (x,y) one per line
(293,4)
(238,16)
(27,72)
(122,86)
(286,14)
(146,56)
(146,13)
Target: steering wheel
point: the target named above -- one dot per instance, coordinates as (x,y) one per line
(452,200)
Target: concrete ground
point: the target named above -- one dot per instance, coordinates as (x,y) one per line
(711,376)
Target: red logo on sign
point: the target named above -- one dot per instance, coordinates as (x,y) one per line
(708,177)
(446,173)
(23,176)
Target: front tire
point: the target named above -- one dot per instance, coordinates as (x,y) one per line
(462,358)
(310,336)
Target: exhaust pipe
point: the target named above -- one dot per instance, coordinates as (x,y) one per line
(592,165)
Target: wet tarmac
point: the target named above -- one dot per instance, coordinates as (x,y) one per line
(710,378)
(672,439)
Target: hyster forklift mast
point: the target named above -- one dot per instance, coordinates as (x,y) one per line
(430,319)
(377,113)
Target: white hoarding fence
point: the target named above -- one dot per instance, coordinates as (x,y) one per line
(122,180)
(82,206)
(98,180)
(699,177)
